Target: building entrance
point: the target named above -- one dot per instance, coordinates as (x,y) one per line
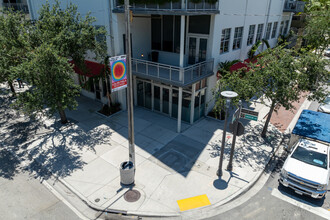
(165,99)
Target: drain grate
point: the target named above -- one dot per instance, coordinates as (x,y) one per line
(132,195)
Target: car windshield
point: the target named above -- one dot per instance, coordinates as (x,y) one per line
(311,157)
(327,100)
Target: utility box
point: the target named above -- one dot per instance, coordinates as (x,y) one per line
(127,173)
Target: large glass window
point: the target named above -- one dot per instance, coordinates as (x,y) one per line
(199,24)
(140,93)
(252,29)
(175,99)
(225,38)
(156,98)
(186,103)
(168,33)
(274,29)
(147,93)
(166,100)
(156,37)
(259,32)
(269,28)
(165,33)
(237,38)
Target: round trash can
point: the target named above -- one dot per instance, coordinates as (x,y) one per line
(127,173)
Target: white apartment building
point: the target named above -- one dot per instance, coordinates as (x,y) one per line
(177,45)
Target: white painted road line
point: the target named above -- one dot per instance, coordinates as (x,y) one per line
(61,198)
(297,202)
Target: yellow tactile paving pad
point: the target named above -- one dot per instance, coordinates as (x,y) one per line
(193,202)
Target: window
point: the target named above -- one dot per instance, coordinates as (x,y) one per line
(156,37)
(237,38)
(259,32)
(251,34)
(225,37)
(269,28)
(274,29)
(165,33)
(199,24)
(281,28)
(286,27)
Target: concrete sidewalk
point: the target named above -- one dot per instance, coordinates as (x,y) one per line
(85,156)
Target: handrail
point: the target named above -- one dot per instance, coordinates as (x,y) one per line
(182,5)
(181,75)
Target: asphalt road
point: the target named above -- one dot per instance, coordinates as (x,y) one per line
(24,197)
(274,201)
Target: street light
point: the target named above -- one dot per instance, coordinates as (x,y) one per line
(228,95)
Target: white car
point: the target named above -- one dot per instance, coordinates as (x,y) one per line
(325,106)
(306,170)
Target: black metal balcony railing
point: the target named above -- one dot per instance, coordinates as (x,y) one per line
(294,6)
(180,76)
(16,7)
(178,6)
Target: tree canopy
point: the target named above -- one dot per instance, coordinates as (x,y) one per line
(280,77)
(57,36)
(13,45)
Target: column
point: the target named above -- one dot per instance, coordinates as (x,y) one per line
(182,35)
(135,90)
(192,105)
(152,94)
(182,31)
(179,109)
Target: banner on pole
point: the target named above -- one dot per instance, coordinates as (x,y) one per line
(118,72)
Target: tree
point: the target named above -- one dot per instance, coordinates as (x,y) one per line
(54,86)
(57,36)
(317,29)
(13,46)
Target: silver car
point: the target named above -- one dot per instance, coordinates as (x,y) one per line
(325,106)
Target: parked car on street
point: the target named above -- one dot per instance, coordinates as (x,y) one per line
(325,106)
(306,170)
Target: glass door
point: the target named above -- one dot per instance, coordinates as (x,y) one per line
(197,49)
(157,98)
(166,100)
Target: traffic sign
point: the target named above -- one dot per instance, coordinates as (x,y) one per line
(249,114)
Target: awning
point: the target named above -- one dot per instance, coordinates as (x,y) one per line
(92,68)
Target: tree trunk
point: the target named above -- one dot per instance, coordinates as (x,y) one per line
(264,130)
(12,88)
(64,120)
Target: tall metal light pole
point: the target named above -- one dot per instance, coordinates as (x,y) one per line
(228,95)
(131,146)
(230,164)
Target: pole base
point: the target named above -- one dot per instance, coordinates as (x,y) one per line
(219,173)
(230,167)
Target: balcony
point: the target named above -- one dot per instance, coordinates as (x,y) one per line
(16,7)
(174,75)
(174,7)
(294,6)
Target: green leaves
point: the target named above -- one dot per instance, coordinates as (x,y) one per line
(279,76)
(39,51)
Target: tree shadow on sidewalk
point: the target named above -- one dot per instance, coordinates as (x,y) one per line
(43,150)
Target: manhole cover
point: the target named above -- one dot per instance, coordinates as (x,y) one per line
(132,195)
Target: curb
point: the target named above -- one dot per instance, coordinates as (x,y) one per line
(240,192)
